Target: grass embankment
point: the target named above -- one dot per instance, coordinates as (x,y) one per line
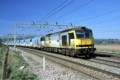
(15,61)
(1,60)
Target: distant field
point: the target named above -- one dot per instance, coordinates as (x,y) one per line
(108,47)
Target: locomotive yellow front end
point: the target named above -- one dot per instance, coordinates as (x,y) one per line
(84,41)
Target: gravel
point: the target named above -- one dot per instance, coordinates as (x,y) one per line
(105,62)
(99,75)
(92,64)
(109,59)
(52,70)
(59,72)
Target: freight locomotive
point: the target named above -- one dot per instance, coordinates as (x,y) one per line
(70,42)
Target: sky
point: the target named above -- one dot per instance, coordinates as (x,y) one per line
(102,16)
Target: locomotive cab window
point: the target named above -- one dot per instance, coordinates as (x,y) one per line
(88,35)
(80,35)
(84,34)
(71,35)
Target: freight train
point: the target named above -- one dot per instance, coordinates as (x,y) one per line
(70,42)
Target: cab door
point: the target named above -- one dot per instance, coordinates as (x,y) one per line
(64,40)
(71,40)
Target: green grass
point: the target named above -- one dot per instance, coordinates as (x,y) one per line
(1,54)
(2,49)
(15,62)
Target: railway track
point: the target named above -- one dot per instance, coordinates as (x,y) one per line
(88,70)
(58,61)
(107,58)
(107,54)
(106,62)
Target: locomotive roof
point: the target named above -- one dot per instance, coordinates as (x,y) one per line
(81,29)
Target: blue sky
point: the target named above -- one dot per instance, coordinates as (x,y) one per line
(102,16)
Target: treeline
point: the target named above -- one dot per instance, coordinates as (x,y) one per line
(107,41)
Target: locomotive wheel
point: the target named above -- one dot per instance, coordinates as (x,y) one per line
(88,55)
(72,53)
(49,49)
(63,52)
(67,53)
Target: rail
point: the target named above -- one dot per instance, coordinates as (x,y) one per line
(76,63)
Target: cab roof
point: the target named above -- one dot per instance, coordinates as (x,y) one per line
(80,29)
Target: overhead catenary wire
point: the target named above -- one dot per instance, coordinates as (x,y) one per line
(54,9)
(71,11)
(89,18)
(50,15)
(96,15)
(107,30)
(99,15)
(106,21)
(57,11)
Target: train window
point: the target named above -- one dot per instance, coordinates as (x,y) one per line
(79,35)
(88,35)
(42,38)
(71,35)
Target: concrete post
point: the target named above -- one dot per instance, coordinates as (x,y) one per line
(43,62)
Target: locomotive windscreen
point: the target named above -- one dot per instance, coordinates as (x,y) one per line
(84,34)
